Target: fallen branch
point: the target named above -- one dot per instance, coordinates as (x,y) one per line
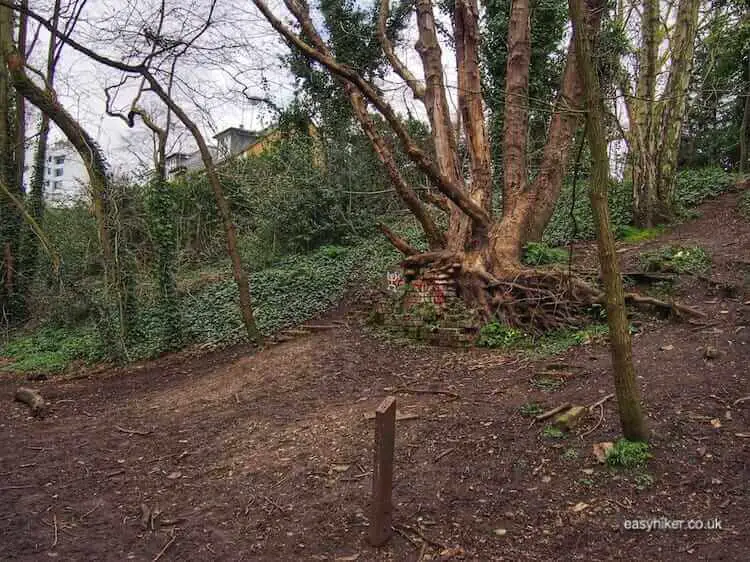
(33,400)
(54,522)
(556,410)
(741,400)
(601,402)
(664,305)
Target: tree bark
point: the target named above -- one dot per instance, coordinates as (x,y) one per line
(11,297)
(643,138)
(35,196)
(745,128)
(626,387)
(471,115)
(675,102)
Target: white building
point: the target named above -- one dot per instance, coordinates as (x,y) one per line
(65,176)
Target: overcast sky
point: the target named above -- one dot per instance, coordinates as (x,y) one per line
(209,86)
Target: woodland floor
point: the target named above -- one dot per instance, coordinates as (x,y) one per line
(266,456)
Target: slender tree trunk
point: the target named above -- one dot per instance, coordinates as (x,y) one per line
(225,212)
(745,128)
(675,103)
(35,196)
(626,387)
(643,118)
(11,299)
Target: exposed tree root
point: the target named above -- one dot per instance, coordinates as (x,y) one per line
(536,300)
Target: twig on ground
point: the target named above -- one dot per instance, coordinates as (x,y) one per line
(54,522)
(133,431)
(556,410)
(601,419)
(166,546)
(116,472)
(600,402)
(15,487)
(356,477)
(407,537)
(419,533)
(408,390)
(89,512)
(273,503)
(741,400)
(443,454)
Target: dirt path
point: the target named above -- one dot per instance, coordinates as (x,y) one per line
(267,457)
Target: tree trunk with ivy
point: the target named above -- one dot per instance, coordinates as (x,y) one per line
(35,195)
(626,387)
(11,224)
(116,280)
(655,118)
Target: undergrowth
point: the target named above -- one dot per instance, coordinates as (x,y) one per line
(52,350)
(628,454)
(539,253)
(676,259)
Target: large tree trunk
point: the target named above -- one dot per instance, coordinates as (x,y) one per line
(628,396)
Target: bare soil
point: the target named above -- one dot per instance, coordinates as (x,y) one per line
(268,456)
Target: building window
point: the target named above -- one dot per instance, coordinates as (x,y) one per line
(59,159)
(46,183)
(56,185)
(49,158)
(58,172)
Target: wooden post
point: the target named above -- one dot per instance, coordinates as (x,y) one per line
(382,477)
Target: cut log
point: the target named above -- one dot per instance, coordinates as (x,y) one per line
(33,400)
(569,419)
